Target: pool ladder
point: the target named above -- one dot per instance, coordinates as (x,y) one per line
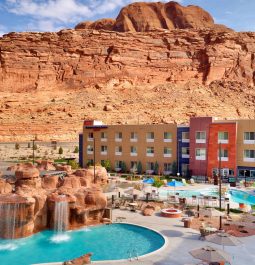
(133,255)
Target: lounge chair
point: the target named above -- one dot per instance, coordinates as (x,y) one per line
(184,182)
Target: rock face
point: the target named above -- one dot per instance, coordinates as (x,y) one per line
(85,70)
(144,17)
(32,207)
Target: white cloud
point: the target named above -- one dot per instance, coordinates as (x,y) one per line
(51,15)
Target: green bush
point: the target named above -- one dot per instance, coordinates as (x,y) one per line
(73,164)
(76,150)
(157,182)
(106,164)
(60,150)
(123,167)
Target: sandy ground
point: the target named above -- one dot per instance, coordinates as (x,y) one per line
(45,150)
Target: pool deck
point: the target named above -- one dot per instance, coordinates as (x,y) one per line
(180,241)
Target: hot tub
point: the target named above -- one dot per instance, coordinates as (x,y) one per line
(171,213)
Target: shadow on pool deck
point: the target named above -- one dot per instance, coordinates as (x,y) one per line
(172,233)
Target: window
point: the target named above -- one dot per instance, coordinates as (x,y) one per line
(200,154)
(149,167)
(133,151)
(133,137)
(223,137)
(150,151)
(167,152)
(118,150)
(185,152)
(103,136)
(185,137)
(118,136)
(223,154)
(103,150)
(167,168)
(150,137)
(118,165)
(90,162)
(184,169)
(90,136)
(200,137)
(249,137)
(133,166)
(167,137)
(90,150)
(249,155)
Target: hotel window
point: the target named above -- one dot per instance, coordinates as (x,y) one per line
(200,137)
(167,168)
(90,150)
(185,137)
(200,154)
(167,152)
(118,150)
(150,151)
(90,162)
(223,137)
(249,137)
(223,154)
(103,136)
(90,136)
(118,165)
(149,167)
(150,137)
(185,152)
(133,151)
(103,150)
(133,137)
(167,137)
(118,137)
(133,166)
(249,156)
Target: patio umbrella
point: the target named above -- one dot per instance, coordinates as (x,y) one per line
(175,184)
(210,254)
(223,239)
(211,212)
(148,181)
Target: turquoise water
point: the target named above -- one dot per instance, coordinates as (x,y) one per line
(242,197)
(106,242)
(237,196)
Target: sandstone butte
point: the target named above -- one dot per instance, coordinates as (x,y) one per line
(156,62)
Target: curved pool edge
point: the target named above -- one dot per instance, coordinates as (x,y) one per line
(166,242)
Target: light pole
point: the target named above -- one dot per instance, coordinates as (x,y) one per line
(220,184)
(245,178)
(178,160)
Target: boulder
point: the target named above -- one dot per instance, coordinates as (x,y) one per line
(5,187)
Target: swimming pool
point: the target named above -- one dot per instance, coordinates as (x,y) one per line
(106,242)
(235,195)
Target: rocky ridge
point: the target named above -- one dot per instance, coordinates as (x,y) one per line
(50,82)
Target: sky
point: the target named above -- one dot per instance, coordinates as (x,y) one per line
(53,15)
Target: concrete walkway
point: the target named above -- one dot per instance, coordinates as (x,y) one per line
(180,241)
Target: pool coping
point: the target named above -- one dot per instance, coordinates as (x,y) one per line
(166,243)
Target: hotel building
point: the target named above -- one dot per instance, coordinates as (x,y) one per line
(191,150)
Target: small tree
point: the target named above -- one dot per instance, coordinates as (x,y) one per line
(123,167)
(157,182)
(17,146)
(35,147)
(106,164)
(28,145)
(156,168)
(139,168)
(76,149)
(73,164)
(60,150)
(174,168)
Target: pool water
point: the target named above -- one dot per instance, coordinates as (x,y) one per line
(237,196)
(106,242)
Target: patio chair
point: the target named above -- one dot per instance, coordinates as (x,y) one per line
(184,182)
(124,206)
